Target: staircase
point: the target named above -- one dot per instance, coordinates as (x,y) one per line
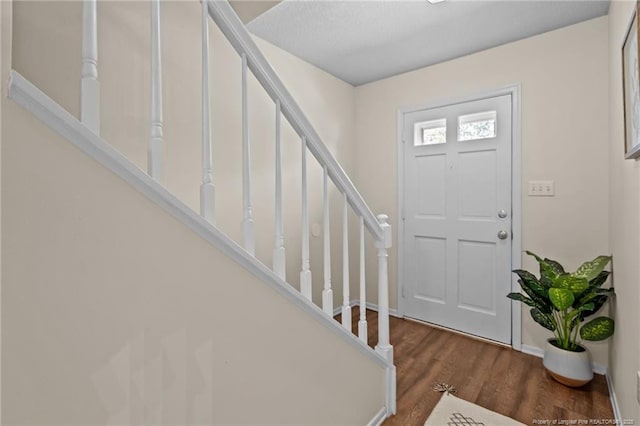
(85,135)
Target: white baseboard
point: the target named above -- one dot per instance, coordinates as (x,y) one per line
(378,418)
(372,306)
(536,351)
(393,312)
(532,350)
(614,400)
(338,310)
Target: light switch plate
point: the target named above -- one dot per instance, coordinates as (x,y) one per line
(541,188)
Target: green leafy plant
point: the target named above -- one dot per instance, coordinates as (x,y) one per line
(561,301)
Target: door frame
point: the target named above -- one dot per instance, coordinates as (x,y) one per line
(516,194)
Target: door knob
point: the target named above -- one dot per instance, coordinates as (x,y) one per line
(502,214)
(503,235)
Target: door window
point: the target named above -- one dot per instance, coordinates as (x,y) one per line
(431,132)
(481,125)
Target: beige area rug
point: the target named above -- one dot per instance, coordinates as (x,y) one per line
(452,411)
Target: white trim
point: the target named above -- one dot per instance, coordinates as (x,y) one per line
(371,306)
(599,368)
(401,218)
(516,211)
(614,401)
(338,310)
(533,350)
(374,307)
(234,30)
(58,119)
(461,333)
(378,418)
(538,352)
(514,91)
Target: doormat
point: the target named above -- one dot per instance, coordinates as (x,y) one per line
(453,411)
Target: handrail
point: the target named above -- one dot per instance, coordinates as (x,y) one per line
(233,29)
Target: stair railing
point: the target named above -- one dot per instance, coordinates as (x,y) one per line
(253,60)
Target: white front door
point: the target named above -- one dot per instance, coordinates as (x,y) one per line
(457,216)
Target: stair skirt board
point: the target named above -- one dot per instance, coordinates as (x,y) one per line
(25,94)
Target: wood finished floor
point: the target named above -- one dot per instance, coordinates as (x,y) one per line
(503,380)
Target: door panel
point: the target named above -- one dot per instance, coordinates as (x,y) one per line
(457,178)
(477,263)
(432,197)
(431,273)
(477,185)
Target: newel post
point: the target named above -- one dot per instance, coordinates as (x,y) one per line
(383,347)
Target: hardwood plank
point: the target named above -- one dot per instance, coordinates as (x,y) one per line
(498,378)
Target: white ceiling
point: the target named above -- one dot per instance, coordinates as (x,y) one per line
(364,41)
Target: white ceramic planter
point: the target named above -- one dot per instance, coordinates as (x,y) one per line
(569,368)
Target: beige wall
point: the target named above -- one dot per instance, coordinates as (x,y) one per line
(564,132)
(248,10)
(112,308)
(624,202)
(47,52)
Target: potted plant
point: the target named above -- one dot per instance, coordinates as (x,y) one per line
(561,302)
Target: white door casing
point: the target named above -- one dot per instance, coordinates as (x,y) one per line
(454,270)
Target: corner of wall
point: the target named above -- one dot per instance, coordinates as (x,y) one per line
(6,15)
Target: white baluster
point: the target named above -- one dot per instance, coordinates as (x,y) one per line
(279,259)
(383,347)
(247,222)
(362,324)
(327,292)
(305,273)
(155,145)
(207,188)
(346,306)
(90,86)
